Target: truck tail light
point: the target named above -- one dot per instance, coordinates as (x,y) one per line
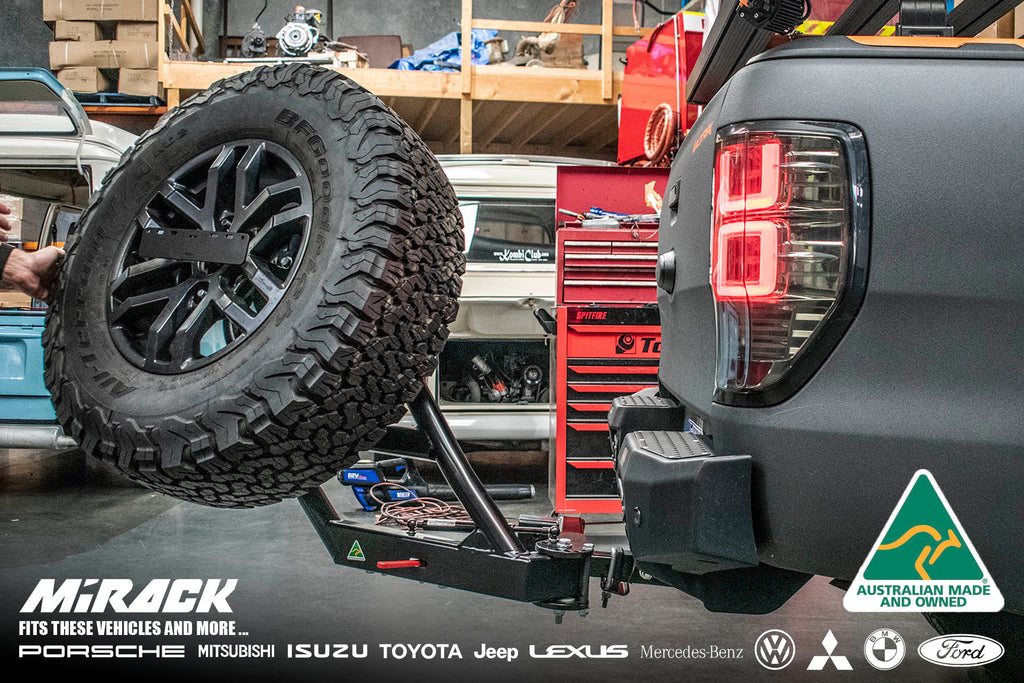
(788,252)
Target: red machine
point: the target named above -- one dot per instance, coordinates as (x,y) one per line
(608,338)
(656,71)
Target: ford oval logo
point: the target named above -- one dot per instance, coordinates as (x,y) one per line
(960,649)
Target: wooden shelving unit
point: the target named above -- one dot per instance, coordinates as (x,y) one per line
(489,109)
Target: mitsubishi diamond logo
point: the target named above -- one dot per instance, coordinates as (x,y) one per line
(819,662)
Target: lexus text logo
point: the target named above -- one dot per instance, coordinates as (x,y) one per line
(581,651)
(774,649)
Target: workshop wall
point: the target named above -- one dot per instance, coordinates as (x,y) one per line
(24,38)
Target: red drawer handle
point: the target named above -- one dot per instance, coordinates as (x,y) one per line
(592,427)
(615,369)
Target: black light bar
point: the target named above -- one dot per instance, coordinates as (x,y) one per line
(730,44)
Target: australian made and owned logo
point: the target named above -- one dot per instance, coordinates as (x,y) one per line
(923,561)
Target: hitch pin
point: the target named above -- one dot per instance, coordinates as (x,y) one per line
(612,583)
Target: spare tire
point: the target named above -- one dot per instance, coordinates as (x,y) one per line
(241,385)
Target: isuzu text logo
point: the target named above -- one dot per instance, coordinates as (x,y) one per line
(582,651)
(116,595)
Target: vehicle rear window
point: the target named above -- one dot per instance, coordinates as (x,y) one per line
(28,107)
(509,230)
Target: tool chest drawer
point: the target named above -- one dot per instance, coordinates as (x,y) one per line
(587,441)
(599,370)
(589,479)
(607,265)
(582,411)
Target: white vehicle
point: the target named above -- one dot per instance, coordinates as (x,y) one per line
(52,158)
(494,375)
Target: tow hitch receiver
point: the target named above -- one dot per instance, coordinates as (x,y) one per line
(543,560)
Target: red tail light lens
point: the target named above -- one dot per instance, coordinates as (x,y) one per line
(788,252)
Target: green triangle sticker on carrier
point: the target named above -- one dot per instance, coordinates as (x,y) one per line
(923,561)
(356,552)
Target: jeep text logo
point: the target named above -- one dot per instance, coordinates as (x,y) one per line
(159,595)
(582,651)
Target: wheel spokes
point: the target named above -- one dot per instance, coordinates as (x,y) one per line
(171,316)
(270,201)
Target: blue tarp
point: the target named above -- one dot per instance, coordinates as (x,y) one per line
(445,54)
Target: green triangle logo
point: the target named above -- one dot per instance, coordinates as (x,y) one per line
(356,552)
(923,560)
(922,541)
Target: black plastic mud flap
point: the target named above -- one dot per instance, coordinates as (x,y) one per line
(684,506)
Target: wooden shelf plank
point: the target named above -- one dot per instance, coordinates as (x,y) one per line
(505,83)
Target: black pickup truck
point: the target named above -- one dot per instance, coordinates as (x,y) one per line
(841,307)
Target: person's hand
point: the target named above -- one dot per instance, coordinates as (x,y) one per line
(35,273)
(5,225)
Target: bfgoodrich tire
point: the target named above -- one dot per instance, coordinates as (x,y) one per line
(240,385)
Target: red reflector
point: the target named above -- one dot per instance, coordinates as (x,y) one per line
(747,260)
(398,564)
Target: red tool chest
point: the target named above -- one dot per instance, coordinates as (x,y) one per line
(603,352)
(608,338)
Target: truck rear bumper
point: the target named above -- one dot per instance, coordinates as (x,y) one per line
(688,511)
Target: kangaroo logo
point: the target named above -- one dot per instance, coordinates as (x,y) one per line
(926,551)
(923,561)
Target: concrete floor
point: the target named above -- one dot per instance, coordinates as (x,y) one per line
(61,518)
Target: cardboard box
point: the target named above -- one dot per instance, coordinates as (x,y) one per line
(101,10)
(77,30)
(1018,22)
(10,299)
(83,79)
(138,31)
(138,82)
(105,54)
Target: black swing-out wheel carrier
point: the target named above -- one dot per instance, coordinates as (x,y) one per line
(549,564)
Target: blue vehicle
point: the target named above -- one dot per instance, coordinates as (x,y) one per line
(52,158)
